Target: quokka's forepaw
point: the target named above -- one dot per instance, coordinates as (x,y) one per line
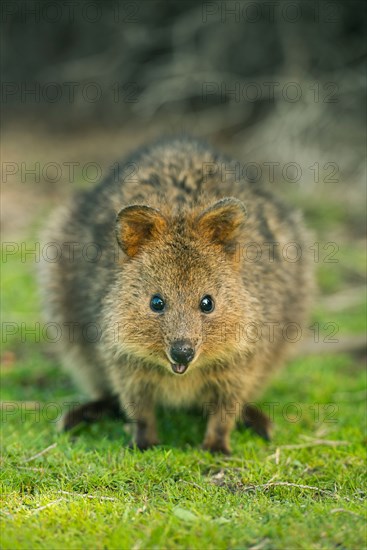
(90,412)
(217,448)
(142,445)
(259,422)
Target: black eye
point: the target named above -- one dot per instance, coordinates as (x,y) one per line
(207,304)
(157,303)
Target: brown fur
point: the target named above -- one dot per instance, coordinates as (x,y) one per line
(172,231)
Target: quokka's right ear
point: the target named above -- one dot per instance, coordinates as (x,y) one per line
(137,225)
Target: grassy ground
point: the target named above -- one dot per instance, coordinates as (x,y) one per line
(305,489)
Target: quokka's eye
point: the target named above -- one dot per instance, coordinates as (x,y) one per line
(207,304)
(157,303)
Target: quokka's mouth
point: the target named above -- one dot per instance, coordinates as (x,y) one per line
(179,368)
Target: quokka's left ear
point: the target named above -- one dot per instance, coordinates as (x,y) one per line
(223,222)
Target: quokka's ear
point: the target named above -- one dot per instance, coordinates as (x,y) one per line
(137,225)
(223,222)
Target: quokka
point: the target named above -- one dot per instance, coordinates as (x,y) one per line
(177,301)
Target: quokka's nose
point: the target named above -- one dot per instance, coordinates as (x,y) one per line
(181,352)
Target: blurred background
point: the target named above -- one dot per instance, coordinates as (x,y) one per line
(280,85)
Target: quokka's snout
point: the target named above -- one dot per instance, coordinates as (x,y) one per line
(181,354)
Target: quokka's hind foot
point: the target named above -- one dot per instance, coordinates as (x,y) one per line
(259,422)
(145,436)
(91,412)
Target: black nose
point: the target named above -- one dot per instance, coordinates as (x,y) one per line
(182,352)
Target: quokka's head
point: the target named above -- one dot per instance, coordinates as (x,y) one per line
(179,301)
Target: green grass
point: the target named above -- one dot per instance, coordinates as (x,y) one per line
(89,491)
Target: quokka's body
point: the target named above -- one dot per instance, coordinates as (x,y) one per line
(178,284)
